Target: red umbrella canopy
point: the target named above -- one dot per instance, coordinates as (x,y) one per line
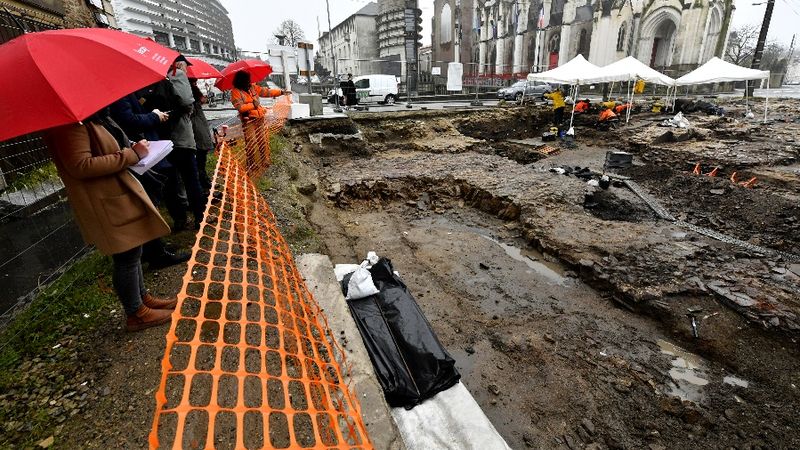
(56,77)
(201,70)
(258,71)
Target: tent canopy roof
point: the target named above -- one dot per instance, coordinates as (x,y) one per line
(719,71)
(577,71)
(630,68)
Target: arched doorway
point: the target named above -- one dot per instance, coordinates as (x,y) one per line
(657,40)
(553,45)
(661,53)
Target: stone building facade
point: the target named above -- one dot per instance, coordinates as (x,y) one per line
(352,43)
(510,38)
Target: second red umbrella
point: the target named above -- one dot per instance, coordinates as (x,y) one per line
(258,71)
(201,70)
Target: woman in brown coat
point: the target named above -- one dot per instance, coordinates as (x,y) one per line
(111,208)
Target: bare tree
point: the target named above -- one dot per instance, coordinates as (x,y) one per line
(742,45)
(290,31)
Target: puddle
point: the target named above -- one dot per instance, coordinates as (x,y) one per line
(687,372)
(736,381)
(552,272)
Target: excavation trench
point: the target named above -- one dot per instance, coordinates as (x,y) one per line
(564,306)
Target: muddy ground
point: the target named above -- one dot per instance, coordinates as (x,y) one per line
(566,305)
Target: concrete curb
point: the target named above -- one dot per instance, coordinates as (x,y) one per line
(317,271)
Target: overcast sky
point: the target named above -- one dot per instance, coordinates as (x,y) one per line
(255,21)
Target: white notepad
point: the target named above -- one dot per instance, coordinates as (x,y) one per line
(158,150)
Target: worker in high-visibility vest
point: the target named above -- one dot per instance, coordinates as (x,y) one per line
(638,87)
(245,98)
(558,105)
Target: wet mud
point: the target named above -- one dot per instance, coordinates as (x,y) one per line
(565,305)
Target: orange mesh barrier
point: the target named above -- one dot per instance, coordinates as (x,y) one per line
(255,154)
(250,361)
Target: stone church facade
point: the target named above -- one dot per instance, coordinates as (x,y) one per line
(505,39)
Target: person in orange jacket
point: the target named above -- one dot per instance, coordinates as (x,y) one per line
(245,98)
(607,116)
(582,106)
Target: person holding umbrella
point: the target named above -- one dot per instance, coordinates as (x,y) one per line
(112,209)
(91,153)
(199,69)
(245,98)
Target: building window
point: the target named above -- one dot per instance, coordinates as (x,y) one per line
(446,32)
(194,44)
(216,50)
(180,42)
(621,37)
(555,42)
(206,48)
(161,38)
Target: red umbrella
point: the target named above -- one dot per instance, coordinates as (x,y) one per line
(258,71)
(200,69)
(53,78)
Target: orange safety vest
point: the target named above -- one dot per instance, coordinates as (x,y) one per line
(619,109)
(581,107)
(607,114)
(247,103)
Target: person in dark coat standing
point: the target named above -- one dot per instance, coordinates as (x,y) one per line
(202,134)
(349,91)
(159,182)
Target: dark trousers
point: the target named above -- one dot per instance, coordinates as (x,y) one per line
(202,159)
(558,116)
(128,279)
(184,161)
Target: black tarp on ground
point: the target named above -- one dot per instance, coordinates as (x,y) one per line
(411,363)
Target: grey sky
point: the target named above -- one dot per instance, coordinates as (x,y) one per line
(255,20)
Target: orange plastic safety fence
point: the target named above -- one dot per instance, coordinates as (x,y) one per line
(250,361)
(253,151)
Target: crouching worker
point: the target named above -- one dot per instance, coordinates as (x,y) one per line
(111,208)
(607,119)
(582,106)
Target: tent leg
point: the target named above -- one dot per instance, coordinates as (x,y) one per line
(766,102)
(572,117)
(630,105)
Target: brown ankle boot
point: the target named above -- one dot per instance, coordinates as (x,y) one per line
(145,317)
(159,303)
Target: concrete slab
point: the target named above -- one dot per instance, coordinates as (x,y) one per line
(317,270)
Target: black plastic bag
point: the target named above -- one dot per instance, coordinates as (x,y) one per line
(411,363)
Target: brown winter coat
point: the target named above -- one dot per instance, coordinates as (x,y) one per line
(110,205)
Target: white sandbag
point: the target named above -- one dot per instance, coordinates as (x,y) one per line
(360,284)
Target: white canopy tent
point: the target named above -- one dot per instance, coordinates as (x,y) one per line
(630,69)
(719,71)
(576,71)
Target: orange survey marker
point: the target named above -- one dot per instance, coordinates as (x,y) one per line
(713,173)
(696,170)
(250,361)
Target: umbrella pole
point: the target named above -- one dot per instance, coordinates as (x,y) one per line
(572,117)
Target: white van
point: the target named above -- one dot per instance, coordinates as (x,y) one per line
(376,88)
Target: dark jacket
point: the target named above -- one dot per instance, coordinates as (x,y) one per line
(134,120)
(202,134)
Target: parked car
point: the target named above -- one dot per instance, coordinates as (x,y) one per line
(535,89)
(372,89)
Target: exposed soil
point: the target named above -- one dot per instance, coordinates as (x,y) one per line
(565,305)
